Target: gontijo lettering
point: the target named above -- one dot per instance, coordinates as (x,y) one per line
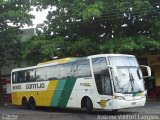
(35,86)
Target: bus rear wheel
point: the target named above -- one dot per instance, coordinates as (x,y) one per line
(25,103)
(32,103)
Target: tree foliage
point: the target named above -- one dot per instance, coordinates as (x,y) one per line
(85,27)
(17,13)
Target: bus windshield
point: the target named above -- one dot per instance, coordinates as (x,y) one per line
(129,78)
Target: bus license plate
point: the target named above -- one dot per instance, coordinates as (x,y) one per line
(133,103)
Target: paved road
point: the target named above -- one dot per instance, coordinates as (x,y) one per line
(151,111)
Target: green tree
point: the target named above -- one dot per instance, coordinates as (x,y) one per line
(17,13)
(101,26)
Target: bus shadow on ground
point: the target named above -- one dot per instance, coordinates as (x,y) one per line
(73,111)
(82,111)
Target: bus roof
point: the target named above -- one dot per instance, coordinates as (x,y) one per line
(102,55)
(53,62)
(63,60)
(67,60)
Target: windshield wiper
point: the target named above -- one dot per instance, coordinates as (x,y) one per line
(132,81)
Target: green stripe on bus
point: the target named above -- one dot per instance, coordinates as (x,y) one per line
(66,92)
(58,92)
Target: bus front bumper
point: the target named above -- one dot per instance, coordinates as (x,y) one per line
(121,104)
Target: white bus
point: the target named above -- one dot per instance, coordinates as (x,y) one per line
(104,81)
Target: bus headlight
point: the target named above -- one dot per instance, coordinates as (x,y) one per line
(119,97)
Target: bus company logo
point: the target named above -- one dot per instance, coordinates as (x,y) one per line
(102,103)
(35,86)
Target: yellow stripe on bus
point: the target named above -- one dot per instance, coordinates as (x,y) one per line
(60,61)
(42,98)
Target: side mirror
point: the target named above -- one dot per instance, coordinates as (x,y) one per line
(113,70)
(146,69)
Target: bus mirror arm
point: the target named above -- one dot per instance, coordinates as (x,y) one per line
(148,70)
(113,70)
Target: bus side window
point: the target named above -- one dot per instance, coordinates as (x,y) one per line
(66,70)
(106,86)
(41,74)
(14,77)
(21,76)
(30,75)
(53,72)
(82,69)
(27,75)
(98,83)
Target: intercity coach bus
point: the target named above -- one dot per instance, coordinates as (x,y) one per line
(104,81)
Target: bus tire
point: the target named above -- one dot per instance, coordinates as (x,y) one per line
(89,105)
(25,103)
(32,103)
(115,111)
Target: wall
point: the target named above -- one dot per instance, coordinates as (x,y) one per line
(157,75)
(154,62)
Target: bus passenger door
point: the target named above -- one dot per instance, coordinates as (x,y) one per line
(103,90)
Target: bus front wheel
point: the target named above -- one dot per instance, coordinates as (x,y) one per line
(89,105)
(115,111)
(32,103)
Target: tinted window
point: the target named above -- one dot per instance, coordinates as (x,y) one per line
(53,72)
(30,75)
(99,64)
(41,74)
(82,69)
(21,76)
(102,77)
(15,77)
(123,61)
(66,70)
(106,83)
